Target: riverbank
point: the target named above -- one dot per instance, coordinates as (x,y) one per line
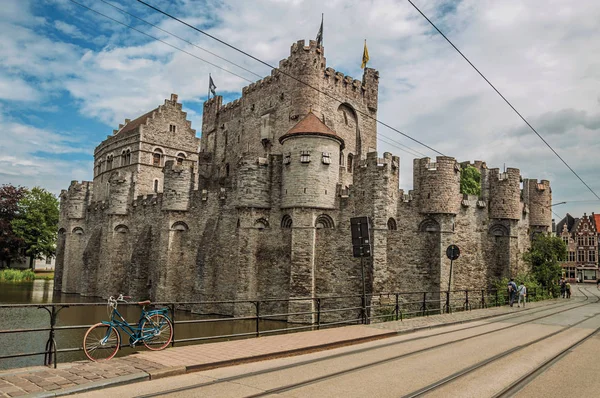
(23,275)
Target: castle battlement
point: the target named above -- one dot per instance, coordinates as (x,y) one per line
(264,210)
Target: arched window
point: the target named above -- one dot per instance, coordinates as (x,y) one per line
(128,157)
(180,158)
(109,160)
(77,231)
(226,169)
(429,225)
(155,185)
(261,224)
(286,222)
(157,157)
(179,226)
(123,158)
(122,229)
(350,163)
(324,221)
(391,224)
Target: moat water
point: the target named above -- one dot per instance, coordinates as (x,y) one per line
(41,291)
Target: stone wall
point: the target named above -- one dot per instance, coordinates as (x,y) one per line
(232,221)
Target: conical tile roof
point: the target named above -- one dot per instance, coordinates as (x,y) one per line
(311,125)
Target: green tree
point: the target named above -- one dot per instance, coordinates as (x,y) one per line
(544,255)
(9,210)
(37,223)
(470,181)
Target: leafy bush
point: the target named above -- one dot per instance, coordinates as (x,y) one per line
(16,275)
(531,283)
(470,181)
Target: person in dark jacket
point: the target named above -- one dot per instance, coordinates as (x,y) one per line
(512,291)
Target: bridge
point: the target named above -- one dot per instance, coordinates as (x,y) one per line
(548,348)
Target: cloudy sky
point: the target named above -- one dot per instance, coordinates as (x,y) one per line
(68,77)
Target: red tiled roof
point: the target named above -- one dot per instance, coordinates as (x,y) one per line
(134,124)
(311,125)
(597,221)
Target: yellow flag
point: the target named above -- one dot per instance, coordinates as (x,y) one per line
(365,58)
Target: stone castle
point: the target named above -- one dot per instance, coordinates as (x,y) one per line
(260,205)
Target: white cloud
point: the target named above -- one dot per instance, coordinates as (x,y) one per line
(541,54)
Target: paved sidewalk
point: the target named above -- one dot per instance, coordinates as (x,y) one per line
(144,365)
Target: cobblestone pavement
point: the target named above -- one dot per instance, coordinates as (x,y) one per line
(144,365)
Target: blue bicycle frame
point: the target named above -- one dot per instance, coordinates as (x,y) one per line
(136,333)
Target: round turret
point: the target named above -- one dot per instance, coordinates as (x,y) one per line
(438,185)
(505,194)
(311,153)
(538,196)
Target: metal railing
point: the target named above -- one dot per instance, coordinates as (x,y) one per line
(311,313)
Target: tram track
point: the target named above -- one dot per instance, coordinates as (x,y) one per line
(289,387)
(521,382)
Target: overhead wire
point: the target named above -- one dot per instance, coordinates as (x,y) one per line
(505,100)
(393,143)
(366,115)
(162,41)
(180,38)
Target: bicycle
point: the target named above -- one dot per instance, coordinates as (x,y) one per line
(154,329)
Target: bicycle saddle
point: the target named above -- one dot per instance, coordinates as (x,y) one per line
(142,303)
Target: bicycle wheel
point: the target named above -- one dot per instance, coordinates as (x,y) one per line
(157,332)
(101,342)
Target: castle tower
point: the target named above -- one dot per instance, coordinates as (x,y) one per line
(72,235)
(505,194)
(538,196)
(178,183)
(311,153)
(379,179)
(306,63)
(437,185)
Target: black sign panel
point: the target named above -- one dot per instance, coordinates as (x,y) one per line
(453,252)
(361,241)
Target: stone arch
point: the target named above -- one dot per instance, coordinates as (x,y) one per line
(180,158)
(62,231)
(391,224)
(429,225)
(122,229)
(324,221)
(498,230)
(179,226)
(286,222)
(261,223)
(77,231)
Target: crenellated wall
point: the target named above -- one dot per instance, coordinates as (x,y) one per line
(260,208)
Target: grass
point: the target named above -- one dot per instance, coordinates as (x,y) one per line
(23,275)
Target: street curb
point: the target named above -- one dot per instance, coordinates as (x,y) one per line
(96,385)
(167,372)
(420,328)
(287,353)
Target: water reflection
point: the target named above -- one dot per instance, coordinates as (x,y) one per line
(40,291)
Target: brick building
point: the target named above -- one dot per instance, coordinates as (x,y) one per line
(260,206)
(581,237)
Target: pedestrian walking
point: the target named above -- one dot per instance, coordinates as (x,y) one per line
(563,288)
(522,294)
(568,289)
(512,290)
